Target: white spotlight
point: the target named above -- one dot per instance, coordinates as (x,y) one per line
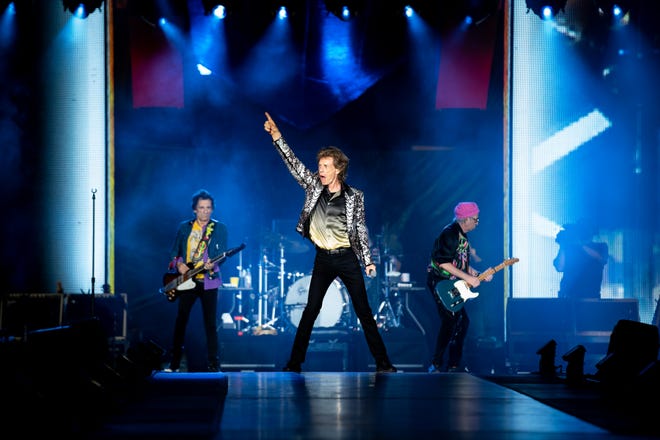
(220,12)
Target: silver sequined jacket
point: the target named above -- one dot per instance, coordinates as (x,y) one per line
(311,183)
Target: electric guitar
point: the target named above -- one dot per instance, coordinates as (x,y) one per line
(454,293)
(175,283)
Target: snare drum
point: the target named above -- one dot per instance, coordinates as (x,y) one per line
(334,303)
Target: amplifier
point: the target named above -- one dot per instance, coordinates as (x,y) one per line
(21,313)
(110,309)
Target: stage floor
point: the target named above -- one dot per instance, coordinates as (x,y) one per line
(357,405)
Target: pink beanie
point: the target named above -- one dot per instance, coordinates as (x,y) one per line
(466,209)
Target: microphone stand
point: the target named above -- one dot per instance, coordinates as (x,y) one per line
(93,245)
(282,298)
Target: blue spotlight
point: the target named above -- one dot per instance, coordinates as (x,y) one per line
(345,13)
(613,9)
(409,11)
(282,13)
(11,8)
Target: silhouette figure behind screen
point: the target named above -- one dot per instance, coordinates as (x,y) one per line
(581,260)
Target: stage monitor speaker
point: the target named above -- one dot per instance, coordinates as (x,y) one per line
(25,312)
(57,376)
(109,309)
(633,347)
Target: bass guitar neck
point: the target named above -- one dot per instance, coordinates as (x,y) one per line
(174,283)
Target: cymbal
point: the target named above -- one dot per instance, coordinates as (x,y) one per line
(291,245)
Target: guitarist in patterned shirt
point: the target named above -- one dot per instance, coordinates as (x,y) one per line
(450,260)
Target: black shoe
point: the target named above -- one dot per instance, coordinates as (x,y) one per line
(213,368)
(292,368)
(388,368)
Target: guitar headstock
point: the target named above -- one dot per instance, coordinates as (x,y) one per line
(511,261)
(234,251)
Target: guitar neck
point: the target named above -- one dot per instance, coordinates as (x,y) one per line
(192,272)
(482,276)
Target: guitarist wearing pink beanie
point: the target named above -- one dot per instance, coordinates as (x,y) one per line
(450,261)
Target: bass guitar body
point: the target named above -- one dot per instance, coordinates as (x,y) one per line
(175,283)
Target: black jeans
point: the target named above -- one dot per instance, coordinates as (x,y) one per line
(347,268)
(209,299)
(452,333)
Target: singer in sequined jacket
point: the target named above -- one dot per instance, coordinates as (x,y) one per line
(355,214)
(333,218)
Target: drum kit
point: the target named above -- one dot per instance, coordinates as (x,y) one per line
(279,295)
(278,298)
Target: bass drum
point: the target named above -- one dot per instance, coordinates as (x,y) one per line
(334,303)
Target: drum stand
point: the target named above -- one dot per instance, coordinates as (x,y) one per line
(388,316)
(282,297)
(277,309)
(264,292)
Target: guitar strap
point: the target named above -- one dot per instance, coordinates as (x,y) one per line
(439,271)
(203,243)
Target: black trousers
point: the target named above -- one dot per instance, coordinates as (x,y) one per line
(452,333)
(346,267)
(209,300)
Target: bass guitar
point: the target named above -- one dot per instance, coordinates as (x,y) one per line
(454,293)
(175,283)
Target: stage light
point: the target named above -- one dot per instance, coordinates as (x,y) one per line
(575,364)
(345,10)
(547,360)
(546,9)
(477,11)
(7,5)
(217,8)
(82,8)
(616,9)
